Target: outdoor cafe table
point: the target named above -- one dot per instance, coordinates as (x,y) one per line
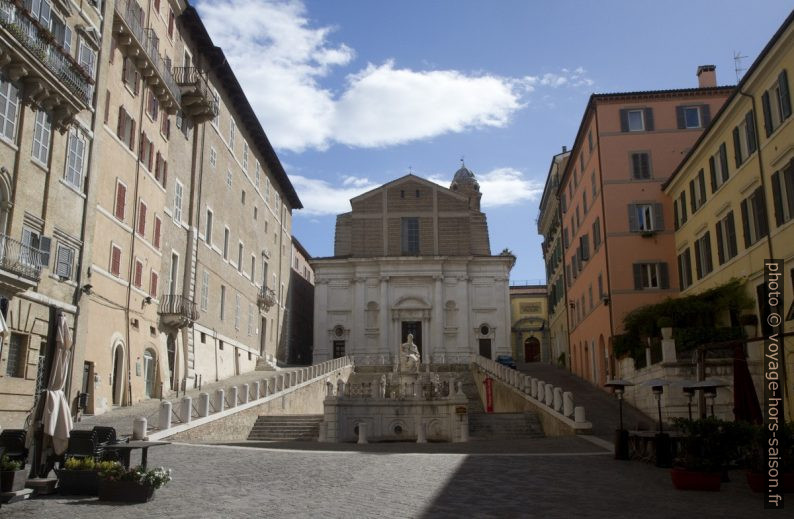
(126,448)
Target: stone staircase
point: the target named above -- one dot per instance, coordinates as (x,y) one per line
(498,426)
(286,428)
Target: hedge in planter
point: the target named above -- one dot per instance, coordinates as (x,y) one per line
(80,476)
(135,485)
(12,475)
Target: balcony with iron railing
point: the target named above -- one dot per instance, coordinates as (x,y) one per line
(266,298)
(142,45)
(48,76)
(20,265)
(198,100)
(177,310)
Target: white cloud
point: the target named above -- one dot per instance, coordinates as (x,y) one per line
(281,59)
(320,197)
(501,187)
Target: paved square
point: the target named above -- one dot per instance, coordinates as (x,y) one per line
(549,478)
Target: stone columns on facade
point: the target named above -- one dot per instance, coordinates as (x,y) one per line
(437,318)
(384,314)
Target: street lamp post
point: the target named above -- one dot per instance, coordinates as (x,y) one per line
(664,454)
(621,435)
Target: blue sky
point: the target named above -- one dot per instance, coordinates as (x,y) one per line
(354,93)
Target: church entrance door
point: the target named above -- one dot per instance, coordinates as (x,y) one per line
(414,328)
(485,348)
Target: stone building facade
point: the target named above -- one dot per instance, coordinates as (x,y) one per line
(413,257)
(299,319)
(550,227)
(529,324)
(169,244)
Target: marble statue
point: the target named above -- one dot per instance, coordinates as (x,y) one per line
(410,359)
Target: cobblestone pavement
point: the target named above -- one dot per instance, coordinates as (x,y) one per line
(548,479)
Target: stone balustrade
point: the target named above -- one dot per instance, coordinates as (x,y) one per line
(241,397)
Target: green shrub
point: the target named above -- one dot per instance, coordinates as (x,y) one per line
(9,465)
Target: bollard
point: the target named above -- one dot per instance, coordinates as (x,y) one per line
(549,394)
(558,399)
(165,415)
(578,414)
(421,432)
(464,431)
(220,402)
(244,395)
(139,428)
(186,409)
(204,404)
(362,432)
(233,396)
(567,404)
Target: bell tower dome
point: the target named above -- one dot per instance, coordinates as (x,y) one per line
(465,183)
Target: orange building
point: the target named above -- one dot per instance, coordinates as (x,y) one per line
(619,247)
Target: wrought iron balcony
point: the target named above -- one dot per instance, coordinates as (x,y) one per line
(266,298)
(20,261)
(198,101)
(177,310)
(48,76)
(142,46)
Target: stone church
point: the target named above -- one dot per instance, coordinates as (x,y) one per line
(413,257)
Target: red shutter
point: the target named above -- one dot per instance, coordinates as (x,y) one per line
(138,274)
(141,218)
(154,278)
(170,24)
(157,232)
(131,136)
(120,125)
(157,167)
(121,198)
(115,261)
(151,156)
(165,171)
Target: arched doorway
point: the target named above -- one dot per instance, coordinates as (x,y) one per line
(171,347)
(532,350)
(118,374)
(149,372)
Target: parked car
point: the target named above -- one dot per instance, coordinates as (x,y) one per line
(506,360)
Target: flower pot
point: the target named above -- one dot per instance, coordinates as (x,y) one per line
(126,491)
(667,333)
(757,481)
(78,482)
(12,480)
(684,479)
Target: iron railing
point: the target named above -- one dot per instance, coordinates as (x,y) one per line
(177,304)
(130,12)
(19,258)
(40,42)
(195,78)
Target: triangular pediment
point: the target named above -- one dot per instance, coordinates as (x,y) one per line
(406,179)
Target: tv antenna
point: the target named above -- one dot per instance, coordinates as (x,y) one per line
(737,64)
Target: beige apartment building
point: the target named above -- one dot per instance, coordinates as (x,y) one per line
(140,196)
(550,227)
(48,65)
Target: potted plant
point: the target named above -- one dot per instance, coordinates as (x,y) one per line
(757,465)
(136,485)
(750,324)
(708,446)
(12,475)
(665,324)
(79,476)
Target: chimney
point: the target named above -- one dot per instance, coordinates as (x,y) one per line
(564,149)
(707,76)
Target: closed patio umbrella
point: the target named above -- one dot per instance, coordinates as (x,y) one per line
(5,333)
(57,416)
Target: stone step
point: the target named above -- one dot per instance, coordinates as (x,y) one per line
(286,428)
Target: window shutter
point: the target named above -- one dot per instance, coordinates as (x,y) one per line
(165,171)
(664,275)
(788,181)
(760,212)
(141,218)
(132,135)
(679,115)
(121,196)
(157,232)
(713,173)
(649,119)
(138,273)
(785,100)
(45,244)
(745,224)
(709,265)
(724,161)
(675,215)
(777,198)
(153,279)
(637,276)
(698,262)
(658,217)
(720,244)
(683,207)
(749,121)
(115,261)
(120,124)
(63,267)
(633,227)
(624,120)
(705,115)
(732,248)
(737,147)
(688,265)
(680,265)
(702,180)
(646,165)
(151,155)
(767,113)
(692,196)
(636,168)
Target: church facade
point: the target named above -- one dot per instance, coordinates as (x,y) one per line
(413,257)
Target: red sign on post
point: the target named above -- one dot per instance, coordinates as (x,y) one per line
(488,395)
